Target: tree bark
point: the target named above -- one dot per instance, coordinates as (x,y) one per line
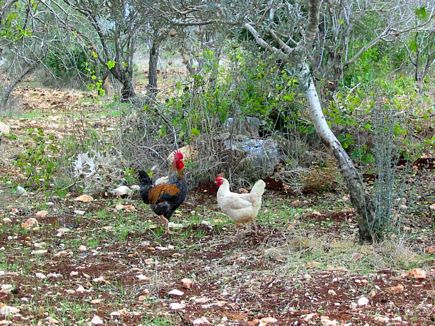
(7,90)
(152,67)
(127,90)
(361,202)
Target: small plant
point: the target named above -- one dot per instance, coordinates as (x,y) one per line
(37,163)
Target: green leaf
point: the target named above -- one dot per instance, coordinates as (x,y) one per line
(111,64)
(195,132)
(421,13)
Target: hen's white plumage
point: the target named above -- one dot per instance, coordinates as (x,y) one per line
(241,208)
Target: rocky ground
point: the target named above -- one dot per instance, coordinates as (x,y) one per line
(67,259)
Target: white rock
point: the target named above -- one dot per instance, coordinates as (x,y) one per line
(79,212)
(121,191)
(141,277)
(201,321)
(39,252)
(97,321)
(40,276)
(332,292)
(176,293)
(51,321)
(7,220)
(326,321)
(41,214)
(82,248)
(8,310)
(267,321)
(135,187)
(73,273)
(176,226)
(363,301)
(99,280)
(307,277)
(177,306)
(4,129)
(21,190)
(187,283)
(6,288)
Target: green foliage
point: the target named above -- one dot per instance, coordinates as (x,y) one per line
(37,162)
(240,88)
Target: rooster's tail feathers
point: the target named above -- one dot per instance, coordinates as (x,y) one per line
(258,187)
(144,178)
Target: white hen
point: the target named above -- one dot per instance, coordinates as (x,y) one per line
(241,208)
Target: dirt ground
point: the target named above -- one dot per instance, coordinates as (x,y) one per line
(107,261)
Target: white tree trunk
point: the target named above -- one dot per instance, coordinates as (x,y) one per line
(361,202)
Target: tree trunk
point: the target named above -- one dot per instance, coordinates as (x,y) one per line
(127,90)
(360,201)
(152,67)
(7,90)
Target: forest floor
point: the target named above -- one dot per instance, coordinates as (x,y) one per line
(69,260)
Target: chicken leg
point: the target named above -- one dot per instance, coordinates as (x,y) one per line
(165,223)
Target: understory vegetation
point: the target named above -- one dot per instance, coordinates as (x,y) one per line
(90,97)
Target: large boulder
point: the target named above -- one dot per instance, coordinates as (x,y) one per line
(248,126)
(261,155)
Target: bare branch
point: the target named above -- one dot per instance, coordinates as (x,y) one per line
(261,42)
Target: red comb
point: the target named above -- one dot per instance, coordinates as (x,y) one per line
(178,155)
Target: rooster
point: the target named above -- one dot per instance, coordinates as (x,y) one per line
(241,208)
(165,198)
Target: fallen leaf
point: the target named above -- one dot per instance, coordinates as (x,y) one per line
(30,223)
(430,250)
(84,198)
(39,252)
(326,321)
(399,288)
(417,273)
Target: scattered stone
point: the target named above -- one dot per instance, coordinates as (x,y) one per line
(79,212)
(332,292)
(8,310)
(51,321)
(84,198)
(99,280)
(430,250)
(187,283)
(62,231)
(177,306)
(326,321)
(307,277)
(39,252)
(176,293)
(63,253)
(40,276)
(41,214)
(201,321)
(121,191)
(267,321)
(7,220)
(4,129)
(363,301)
(30,223)
(399,288)
(141,277)
(82,248)
(74,273)
(308,317)
(417,273)
(97,321)
(432,207)
(96,301)
(40,245)
(176,226)
(21,190)
(382,319)
(6,288)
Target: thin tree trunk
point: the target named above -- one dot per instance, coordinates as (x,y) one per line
(7,90)
(152,67)
(127,90)
(360,201)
